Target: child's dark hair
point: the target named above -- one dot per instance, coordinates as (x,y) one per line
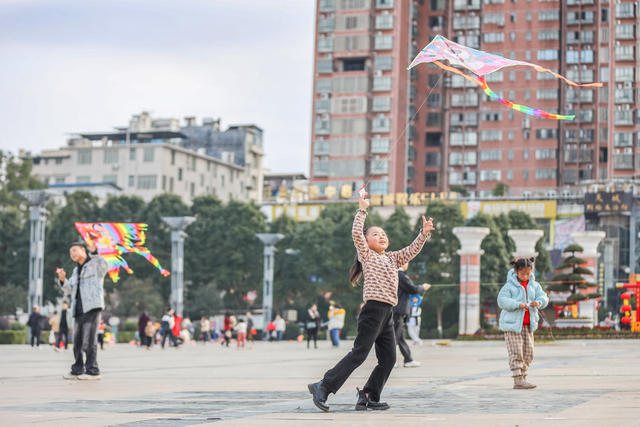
(520,263)
(355,271)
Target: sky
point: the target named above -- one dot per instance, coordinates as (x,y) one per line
(87,66)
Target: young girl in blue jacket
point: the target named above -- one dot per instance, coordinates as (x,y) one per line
(520,299)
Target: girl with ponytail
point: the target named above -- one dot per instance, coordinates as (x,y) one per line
(375,322)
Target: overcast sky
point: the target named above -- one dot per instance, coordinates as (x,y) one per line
(69,66)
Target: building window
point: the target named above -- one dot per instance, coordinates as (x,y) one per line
(434,100)
(383,42)
(148,155)
(381,103)
(625,32)
(84,157)
(548,55)
(83,179)
(132,154)
(381,83)
(383,63)
(432,158)
(110,156)
(549,15)
(434,119)
(146,182)
(380,145)
(179,174)
(491,135)
(493,18)
(384,22)
(490,175)
(164,182)
(325,44)
(547,94)
(490,155)
(545,174)
(325,65)
(431,179)
(493,37)
(546,153)
(433,139)
(112,179)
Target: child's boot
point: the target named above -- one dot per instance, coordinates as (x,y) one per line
(520,384)
(527,383)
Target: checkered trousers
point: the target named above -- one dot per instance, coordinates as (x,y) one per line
(520,348)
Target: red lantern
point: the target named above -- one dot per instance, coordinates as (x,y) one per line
(626,307)
(625,295)
(626,320)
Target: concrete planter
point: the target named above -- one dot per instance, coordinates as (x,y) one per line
(573,323)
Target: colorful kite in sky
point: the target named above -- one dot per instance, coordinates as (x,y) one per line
(483,63)
(113,239)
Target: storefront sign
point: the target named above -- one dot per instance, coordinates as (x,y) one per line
(617,201)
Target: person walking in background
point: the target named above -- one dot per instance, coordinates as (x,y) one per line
(226,329)
(520,299)
(166,324)
(313,325)
(86,286)
(415,319)
(149,332)
(54,322)
(250,330)
(63,329)
(336,322)
(142,323)
(205,327)
(101,328)
(281,326)
(241,331)
(177,327)
(35,326)
(402,310)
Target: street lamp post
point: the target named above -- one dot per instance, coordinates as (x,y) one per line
(269,240)
(38,222)
(177,224)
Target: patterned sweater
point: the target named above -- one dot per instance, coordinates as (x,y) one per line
(380,270)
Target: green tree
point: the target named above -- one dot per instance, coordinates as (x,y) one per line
(398,229)
(136,295)
(572,280)
(500,190)
(12,297)
(15,175)
(439,264)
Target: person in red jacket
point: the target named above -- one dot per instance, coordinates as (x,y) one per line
(177,321)
(226,329)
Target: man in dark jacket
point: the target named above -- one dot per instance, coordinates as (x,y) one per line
(35,325)
(402,310)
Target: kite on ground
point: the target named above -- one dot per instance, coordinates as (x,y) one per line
(113,239)
(483,63)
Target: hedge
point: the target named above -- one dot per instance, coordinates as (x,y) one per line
(126,336)
(13,337)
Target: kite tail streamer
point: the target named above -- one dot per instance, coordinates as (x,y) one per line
(522,108)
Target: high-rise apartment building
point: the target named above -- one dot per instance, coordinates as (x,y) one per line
(430,130)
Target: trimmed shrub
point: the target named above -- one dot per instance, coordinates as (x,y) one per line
(13,337)
(17,326)
(126,336)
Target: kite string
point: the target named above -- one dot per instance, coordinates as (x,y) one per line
(395,142)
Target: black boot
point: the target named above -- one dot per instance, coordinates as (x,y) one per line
(364,402)
(320,394)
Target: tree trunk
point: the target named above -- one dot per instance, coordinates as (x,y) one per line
(439,310)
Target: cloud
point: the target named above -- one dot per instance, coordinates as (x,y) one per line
(88,66)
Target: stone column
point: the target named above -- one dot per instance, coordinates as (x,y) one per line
(470,240)
(525,241)
(177,224)
(589,240)
(269,240)
(38,221)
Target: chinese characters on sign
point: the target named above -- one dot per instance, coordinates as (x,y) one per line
(616,201)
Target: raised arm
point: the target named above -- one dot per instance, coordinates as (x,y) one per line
(405,255)
(357,231)
(407,285)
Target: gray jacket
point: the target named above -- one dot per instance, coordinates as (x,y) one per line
(91,284)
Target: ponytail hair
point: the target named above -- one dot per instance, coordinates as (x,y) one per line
(355,271)
(524,262)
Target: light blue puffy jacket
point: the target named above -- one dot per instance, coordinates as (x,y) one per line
(510,297)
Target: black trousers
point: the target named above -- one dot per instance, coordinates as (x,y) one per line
(35,337)
(172,338)
(312,333)
(62,336)
(399,321)
(85,340)
(375,326)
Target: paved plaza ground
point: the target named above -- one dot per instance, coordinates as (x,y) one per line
(580,383)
